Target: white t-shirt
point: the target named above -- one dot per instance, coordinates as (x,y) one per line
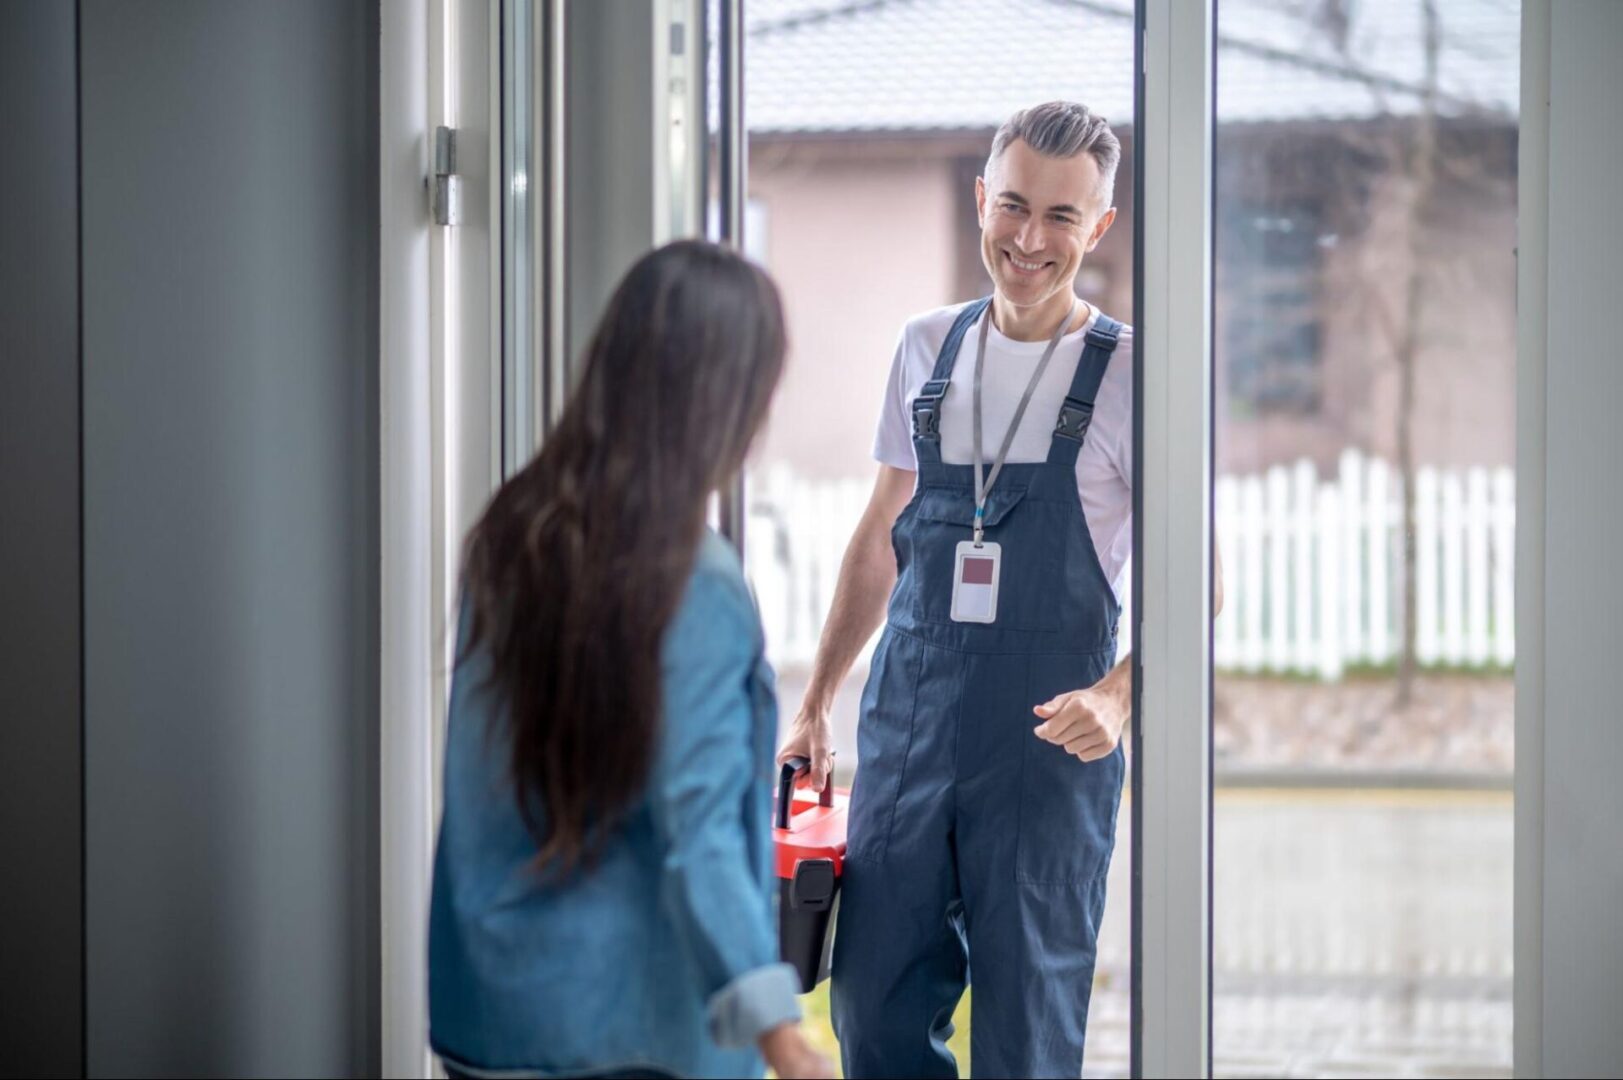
(1104,467)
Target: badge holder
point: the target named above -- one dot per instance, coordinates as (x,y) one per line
(974,581)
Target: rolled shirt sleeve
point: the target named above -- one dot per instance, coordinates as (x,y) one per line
(753,1004)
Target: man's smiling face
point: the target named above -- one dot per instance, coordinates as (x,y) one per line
(1039,216)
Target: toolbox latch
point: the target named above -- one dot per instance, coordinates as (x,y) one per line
(813,885)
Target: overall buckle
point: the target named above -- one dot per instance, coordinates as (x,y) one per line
(1074,417)
(927,410)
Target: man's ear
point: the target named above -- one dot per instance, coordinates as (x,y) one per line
(1101,227)
(980,201)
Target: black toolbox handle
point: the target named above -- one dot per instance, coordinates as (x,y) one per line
(786,788)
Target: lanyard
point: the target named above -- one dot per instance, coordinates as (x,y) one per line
(981,489)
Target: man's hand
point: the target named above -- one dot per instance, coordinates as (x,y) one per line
(1088,723)
(811,737)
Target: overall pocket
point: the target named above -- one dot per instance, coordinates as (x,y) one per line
(1031,533)
(884,734)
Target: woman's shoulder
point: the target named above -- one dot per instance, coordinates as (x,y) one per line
(717,558)
(717,601)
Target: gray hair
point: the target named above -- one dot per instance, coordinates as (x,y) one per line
(1063,129)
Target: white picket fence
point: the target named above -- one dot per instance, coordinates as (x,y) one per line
(1313,567)
(795,536)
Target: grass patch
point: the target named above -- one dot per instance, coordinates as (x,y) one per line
(1366,671)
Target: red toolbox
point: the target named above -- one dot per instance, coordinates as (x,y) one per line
(808,836)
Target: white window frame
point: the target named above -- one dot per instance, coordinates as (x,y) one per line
(1172,531)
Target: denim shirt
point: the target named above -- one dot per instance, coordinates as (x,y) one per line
(665,954)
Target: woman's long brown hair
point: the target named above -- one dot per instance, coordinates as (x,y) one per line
(581,559)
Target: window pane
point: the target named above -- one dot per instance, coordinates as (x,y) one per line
(1363,705)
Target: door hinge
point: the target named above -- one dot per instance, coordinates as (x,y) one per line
(446,186)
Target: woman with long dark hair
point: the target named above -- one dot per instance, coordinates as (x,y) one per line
(600,902)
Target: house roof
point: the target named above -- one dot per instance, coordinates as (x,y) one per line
(919,66)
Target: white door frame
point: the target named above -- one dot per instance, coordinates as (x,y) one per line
(1172,571)
(440,450)
(1569,750)
(1532,282)
(406,470)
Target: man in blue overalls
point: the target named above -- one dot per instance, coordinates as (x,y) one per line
(989,761)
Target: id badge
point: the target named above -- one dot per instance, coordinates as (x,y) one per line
(974,582)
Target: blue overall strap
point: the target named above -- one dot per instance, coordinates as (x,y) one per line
(1077,412)
(927,406)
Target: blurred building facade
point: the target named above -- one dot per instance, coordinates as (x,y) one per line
(1336,259)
